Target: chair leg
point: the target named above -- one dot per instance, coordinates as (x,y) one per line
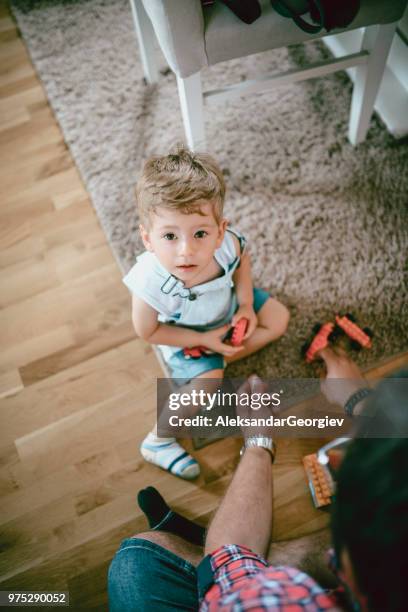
(377,41)
(191,102)
(145,37)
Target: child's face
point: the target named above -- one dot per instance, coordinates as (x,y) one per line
(184,243)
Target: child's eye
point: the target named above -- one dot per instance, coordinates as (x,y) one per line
(201,234)
(169,236)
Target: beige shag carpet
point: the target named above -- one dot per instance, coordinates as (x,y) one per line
(327,223)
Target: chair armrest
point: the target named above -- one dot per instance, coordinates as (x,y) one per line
(179,28)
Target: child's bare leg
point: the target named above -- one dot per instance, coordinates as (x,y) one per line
(273,319)
(166,452)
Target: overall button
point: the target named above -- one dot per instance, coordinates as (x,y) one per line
(192,297)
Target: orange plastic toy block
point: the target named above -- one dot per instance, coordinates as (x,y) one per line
(320,481)
(195,352)
(320,341)
(353,331)
(239,332)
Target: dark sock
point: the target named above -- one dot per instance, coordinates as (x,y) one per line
(162,518)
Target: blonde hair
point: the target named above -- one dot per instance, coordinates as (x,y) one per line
(178,181)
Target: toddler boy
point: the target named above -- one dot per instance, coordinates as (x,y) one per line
(193,282)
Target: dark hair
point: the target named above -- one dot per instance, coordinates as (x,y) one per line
(370,513)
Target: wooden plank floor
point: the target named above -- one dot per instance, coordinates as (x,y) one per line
(77,388)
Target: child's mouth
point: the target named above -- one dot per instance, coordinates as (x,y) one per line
(189,267)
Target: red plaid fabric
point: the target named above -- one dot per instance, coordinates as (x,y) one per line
(243,580)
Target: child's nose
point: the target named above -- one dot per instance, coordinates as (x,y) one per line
(186,247)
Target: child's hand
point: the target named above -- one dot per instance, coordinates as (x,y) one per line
(213,340)
(246,311)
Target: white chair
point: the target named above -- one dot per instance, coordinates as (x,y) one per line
(192,37)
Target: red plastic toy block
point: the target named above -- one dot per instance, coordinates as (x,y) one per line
(353,331)
(239,332)
(195,352)
(320,341)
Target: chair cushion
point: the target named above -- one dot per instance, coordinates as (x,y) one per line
(226,37)
(179,29)
(191,37)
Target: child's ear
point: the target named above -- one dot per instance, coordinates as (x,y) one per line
(221,231)
(145,237)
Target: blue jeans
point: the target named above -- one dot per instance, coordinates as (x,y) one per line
(145,577)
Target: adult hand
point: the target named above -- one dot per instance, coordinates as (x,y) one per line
(246,311)
(213,340)
(343,377)
(254,402)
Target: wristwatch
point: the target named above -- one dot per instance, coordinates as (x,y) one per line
(262,442)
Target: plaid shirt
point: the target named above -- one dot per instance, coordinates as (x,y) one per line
(243,580)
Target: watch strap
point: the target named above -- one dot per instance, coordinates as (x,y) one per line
(260,442)
(355,398)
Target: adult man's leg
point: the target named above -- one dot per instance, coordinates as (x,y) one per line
(154,571)
(245,514)
(175,544)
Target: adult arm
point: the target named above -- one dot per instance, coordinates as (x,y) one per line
(343,378)
(245,514)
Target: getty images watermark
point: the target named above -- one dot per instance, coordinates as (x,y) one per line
(210,408)
(254,401)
